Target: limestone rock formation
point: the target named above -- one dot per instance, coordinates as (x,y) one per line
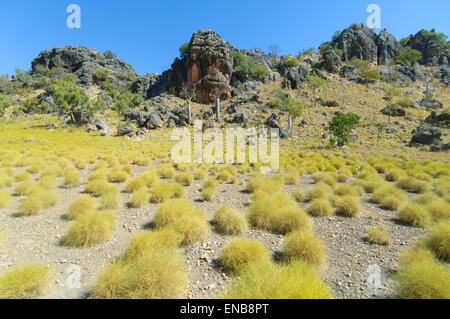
(84,62)
(362,42)
(388,47)
(358,41)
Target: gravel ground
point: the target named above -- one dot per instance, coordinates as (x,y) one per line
(350,257)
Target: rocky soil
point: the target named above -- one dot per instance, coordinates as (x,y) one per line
(37,239)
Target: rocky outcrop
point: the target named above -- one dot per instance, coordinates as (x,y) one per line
(294,76)
(84,62)
(331,61)
(388,47)
(358,41)
(411,72)
(442,119)
(362,42)
(149,85)
(428,136)
(208,62)
(428,44)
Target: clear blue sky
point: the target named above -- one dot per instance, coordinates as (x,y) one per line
(148,33)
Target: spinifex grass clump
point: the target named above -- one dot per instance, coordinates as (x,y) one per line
(438,240)
(184,178)
(5,198)
(347,206)
(304,246)
(415,215)
(90,228)
(181,216)
(25,188)
(159,273)
(24,282)
(414,185)
(278,213)
(209,187)
(263,184)
(116,175)
(265,280)
(389,197)
(98,187)
(240,253)
(72,178)
(320,207)
(147,240)
(136,184)
(139,198)
(37,201)
(299,195)
(378,235)
(83,204)
(165,171)
(110,200)
(163,191)
(424,279)
(320,190)
(230,222)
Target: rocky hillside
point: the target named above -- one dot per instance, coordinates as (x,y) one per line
(216,72)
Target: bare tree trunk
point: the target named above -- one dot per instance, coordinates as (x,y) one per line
(289,124)
(218,109)
(189,113)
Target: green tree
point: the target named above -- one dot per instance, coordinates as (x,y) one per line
(291,61)
(5,102)
(109,54)
(315,82)
(287,104)
(370,75)
(341,126)
(68,96)
(183,50)
(408,56)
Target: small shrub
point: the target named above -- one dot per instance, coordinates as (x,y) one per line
(439,209)
(111,200)
(239,253)
(72,178)
(389,197)
(22,176)
(200,174)
(320,207)
(344,190)
(181,216)
(347,206)
(100,187)
(184,178)
(160,273)
(230,222)
(81,205)
(304,246)
(414,185)
(426,279)
(139,198)
(24,282)
(25,188)
(144,241)
(415,255)
(320,190)
(163,191)
(5,198)
(90,229)
(36,202)
(299,195)
(165,171)
(267,213)
(136,184)
(415,215)
(296,280)
(378,235)
(438,240)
